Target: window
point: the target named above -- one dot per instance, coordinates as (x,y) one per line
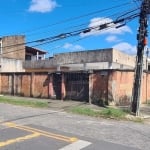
(39,58)
(28,57)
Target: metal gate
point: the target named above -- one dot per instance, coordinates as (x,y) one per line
(77,86)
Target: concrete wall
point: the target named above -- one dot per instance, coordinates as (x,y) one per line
(103,55)
(25,84)
(99,93)
(120,87)
(11,65)
(40,64)
(115,87)
(40,83)
(105,86)
(122,58)
(11,47)
(146,88)
(92,59)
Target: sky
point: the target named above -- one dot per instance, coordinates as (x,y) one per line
(40,19)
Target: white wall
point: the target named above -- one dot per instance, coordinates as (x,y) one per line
(11,65)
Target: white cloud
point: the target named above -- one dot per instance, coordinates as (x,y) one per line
(112,38)
(42,5)
(126,47)
(67,45)
(72,47)
(111,29)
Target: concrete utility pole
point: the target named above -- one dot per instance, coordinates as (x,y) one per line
(141,37)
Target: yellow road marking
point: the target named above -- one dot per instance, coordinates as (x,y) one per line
(41,132)
(19,139)
(49,134)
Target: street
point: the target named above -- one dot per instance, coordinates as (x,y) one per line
(23,128)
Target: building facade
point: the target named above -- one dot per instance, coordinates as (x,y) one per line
(99,87)
(85,60)
(100,76)
(13,53)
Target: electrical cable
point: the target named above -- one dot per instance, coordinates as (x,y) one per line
(113,15)
(77,32)
(78,17)
(58,36)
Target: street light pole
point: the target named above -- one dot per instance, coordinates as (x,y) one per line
(141,37)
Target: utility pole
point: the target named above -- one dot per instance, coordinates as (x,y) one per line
(141,37)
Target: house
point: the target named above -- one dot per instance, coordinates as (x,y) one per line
(85,60)
(95,76)
(17,57)
(34,54)
(13,53)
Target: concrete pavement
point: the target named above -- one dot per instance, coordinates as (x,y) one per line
(103,134)
(63,105)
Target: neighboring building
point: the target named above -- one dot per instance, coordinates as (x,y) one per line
(13,53)
(13,47)
(34,54)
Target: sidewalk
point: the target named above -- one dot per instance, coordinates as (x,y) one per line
(58,104)
(145,112)
(66,104)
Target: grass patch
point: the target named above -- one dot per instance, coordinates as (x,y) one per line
(113,113)
(106,112)
(21,102)
(84,111)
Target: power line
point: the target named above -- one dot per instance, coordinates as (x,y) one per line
(112,15)
(69,33)
(136,3)
(78,17)
(83,31)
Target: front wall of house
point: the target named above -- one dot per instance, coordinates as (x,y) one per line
(146,88)
(40,83)
(121,84)
(25,84)
(6,83)
(102,86)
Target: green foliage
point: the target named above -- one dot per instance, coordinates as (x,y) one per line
(106,112)
(84,111)
(30,103)
(113,113)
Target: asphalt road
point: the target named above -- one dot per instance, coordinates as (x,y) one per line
(23,128)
